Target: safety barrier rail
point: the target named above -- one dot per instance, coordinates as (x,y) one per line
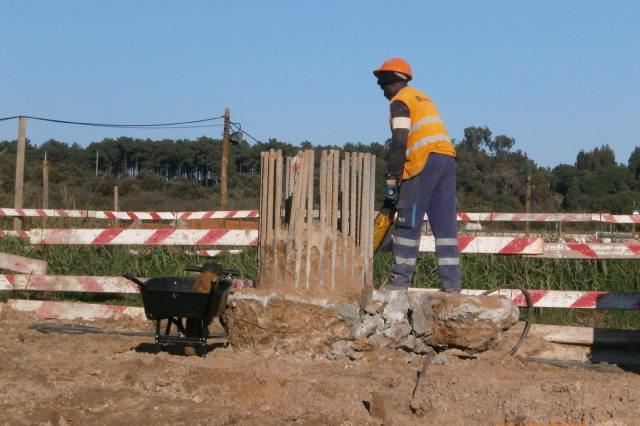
(93,284)
(251,214)
(526,246)
(120,285)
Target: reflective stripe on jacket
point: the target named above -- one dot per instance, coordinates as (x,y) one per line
(427,133)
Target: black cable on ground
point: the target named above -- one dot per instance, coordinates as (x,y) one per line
(530,317)
(48,328)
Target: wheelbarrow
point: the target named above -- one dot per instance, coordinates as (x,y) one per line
(188,304)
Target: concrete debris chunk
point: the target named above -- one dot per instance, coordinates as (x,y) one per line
(370,324)
(471,323)
(419,308)
(396,309)
(397,330)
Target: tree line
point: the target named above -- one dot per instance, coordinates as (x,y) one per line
(183,174)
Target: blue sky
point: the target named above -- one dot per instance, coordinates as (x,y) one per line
(558,76)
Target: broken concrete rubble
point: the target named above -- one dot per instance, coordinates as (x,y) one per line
(412,322)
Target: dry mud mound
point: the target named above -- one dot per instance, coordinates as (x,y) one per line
(414,323)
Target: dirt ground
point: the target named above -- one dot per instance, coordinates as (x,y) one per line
(66,379)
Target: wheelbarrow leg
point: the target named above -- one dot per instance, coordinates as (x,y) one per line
(156,347)
(204,331)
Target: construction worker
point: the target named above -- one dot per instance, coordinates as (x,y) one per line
(420,178)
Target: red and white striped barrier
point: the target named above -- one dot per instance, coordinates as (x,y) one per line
(528,217)
(246,214)
(542,298)
(120,236)
(127,215)
(22,264)
(497,245)
(239,238)
(232,214)
(629,249)
(564,299)
(74,310)
(620,218)
(80,284)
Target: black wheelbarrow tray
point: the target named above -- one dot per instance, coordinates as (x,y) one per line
(172,299)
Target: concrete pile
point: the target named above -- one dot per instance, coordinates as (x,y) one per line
(410,323)
(316,274)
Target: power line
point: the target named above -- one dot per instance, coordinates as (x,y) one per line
(174,125)
(126,126)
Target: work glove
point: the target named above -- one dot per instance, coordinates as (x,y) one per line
(391,192)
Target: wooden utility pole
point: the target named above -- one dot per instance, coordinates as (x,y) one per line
(45,188)
(116,201)
(527,205)
(17,202)
(225,159)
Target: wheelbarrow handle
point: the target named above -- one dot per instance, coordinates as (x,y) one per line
(139,283)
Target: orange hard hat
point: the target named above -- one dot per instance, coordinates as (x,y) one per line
(395,65)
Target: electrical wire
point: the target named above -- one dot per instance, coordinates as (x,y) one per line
(84,123)
(174,125)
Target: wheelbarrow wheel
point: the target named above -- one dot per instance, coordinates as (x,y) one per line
(190,350)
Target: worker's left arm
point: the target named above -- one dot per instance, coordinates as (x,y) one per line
(400,125)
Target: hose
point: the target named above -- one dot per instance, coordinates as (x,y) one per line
(530,317)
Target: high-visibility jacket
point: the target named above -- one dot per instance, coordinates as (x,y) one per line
(427,133)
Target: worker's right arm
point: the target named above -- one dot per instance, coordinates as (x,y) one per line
(400,125)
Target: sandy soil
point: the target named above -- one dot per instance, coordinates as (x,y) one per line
(61,379)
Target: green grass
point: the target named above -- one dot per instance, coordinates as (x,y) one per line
(478,271)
